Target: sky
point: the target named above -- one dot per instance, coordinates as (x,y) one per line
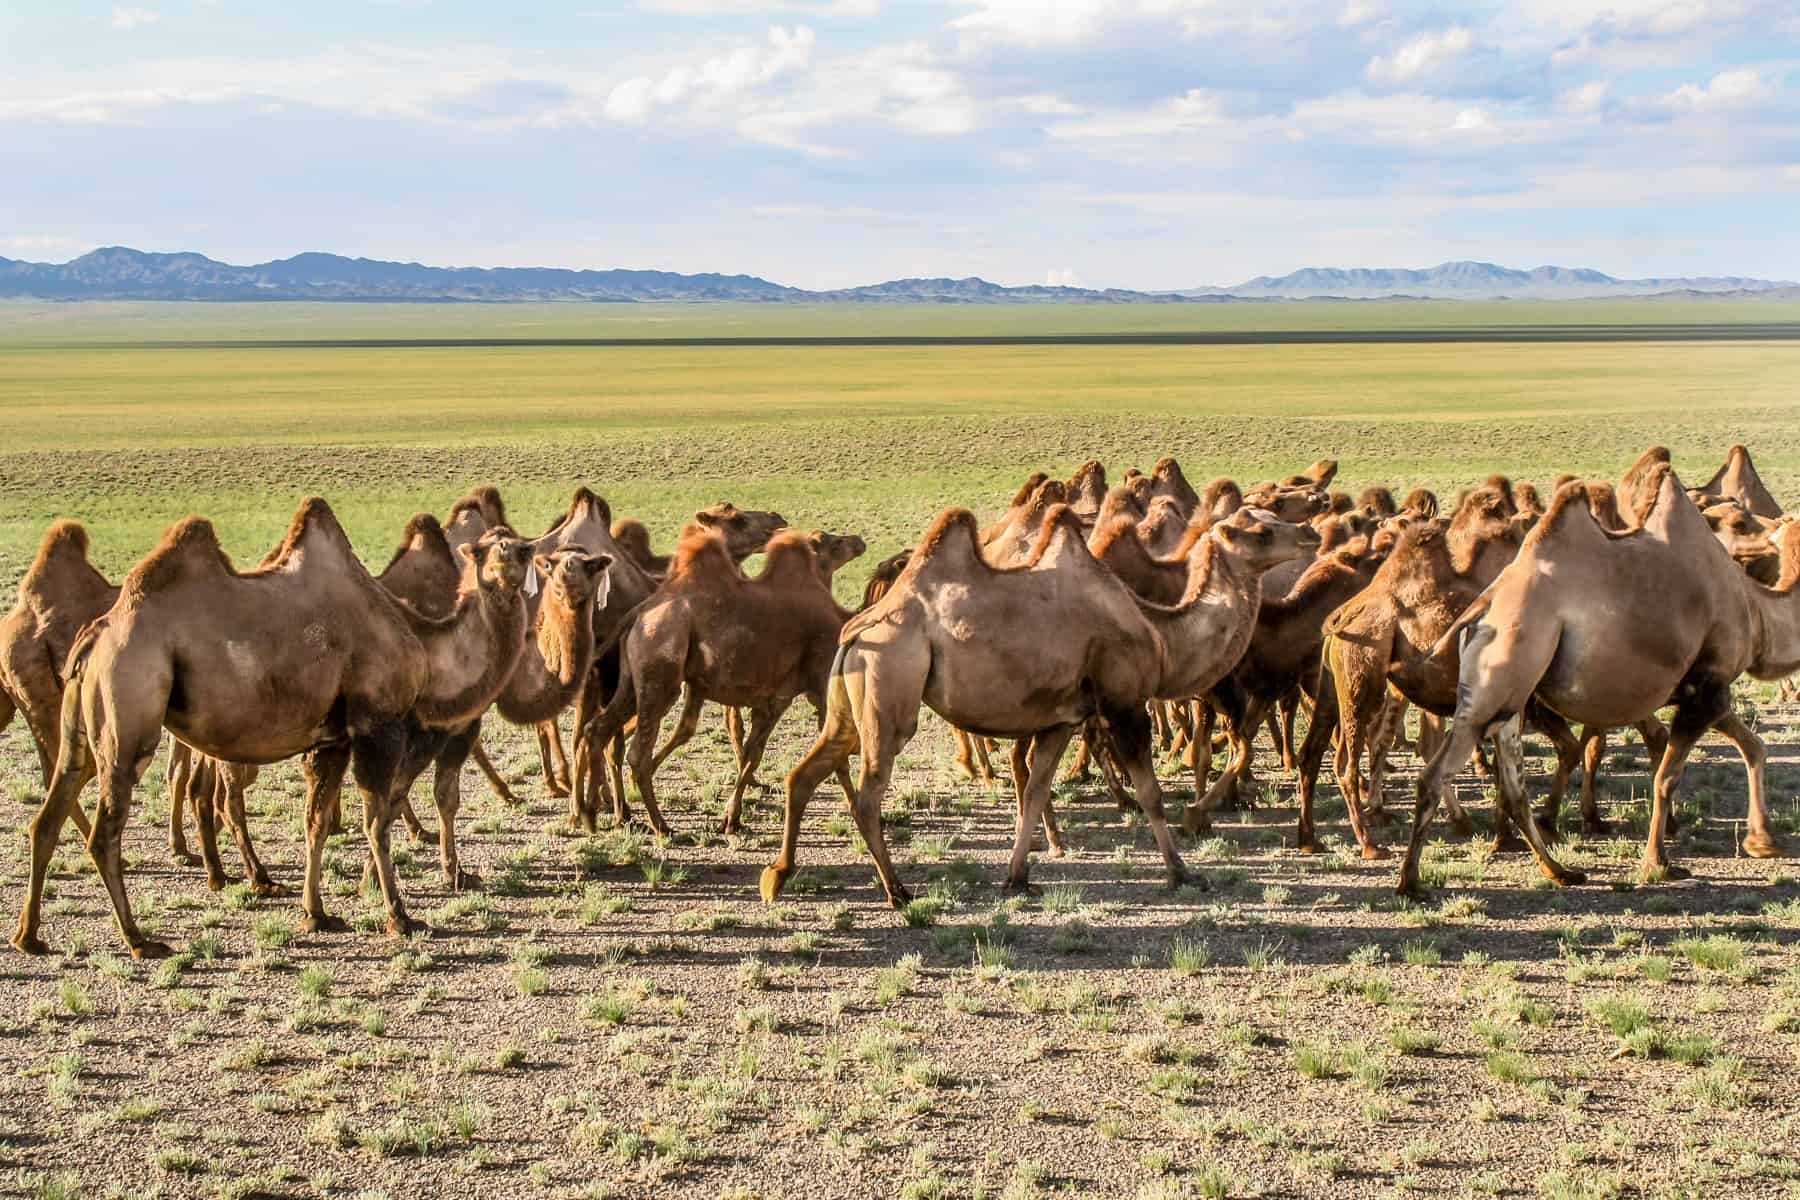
(827,143)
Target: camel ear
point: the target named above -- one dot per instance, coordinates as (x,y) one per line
(466,552)
(597,563)
(705,517)
(543,563)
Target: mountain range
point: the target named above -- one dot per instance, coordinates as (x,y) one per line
(119,273)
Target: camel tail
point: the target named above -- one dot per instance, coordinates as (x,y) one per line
(1454,635)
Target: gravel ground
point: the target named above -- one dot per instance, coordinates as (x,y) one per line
(612,1017)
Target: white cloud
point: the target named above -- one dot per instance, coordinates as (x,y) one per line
(716,79)
(1585,99)
(1423,55)
(133,18)
(1727,89)
(1194,109)
(1471,120)
(849,9)
(1062,277)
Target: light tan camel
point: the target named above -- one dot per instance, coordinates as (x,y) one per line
(1737,480)
(1086,489)
(1680,622)
(947,636)
(305,654)
(757,642)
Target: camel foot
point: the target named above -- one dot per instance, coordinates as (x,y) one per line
(422,838)
(1411,890)
(772,880)
(560,791)
(1569,878)
(1020,887)
(900,897)
(1305,844)
(184,857)
(728,827)
(405,926)
(266,887)
(216,883)
(1057,850)
(460,880)
(1595,826)
(1512,843)
(30,943)
(1374,853)
(1462,826)
(1196,825)
(1178,877)
(323,923)
(1763,845)
(149,948)
(1663,873)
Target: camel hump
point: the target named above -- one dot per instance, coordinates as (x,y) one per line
(1113,531)
(1573,496)
(1222,490)
(313,523)
(65,544)
(1030,485)
(486,498)
(789,560)
(424,532)
(189,547)
(952,534)
(1060,522)
(586,499)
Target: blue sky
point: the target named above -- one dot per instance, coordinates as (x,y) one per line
(1131,143)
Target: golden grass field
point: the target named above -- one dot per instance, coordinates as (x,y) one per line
(618,1016)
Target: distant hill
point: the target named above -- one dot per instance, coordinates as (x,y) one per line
(119,273)
(1472,281)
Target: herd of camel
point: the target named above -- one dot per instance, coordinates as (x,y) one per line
(1134,618)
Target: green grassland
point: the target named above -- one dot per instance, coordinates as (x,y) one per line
(869,439)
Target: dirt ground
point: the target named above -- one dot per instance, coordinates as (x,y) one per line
(608,1016)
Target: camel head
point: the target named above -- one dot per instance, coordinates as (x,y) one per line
(1320,473)
(1339,502)
(1222,498)
(1291,502)
(1746,537)
(1259,539)
(886,572)
(1527,500)
(833,550)
(575,577)
(501,560)
(746,531)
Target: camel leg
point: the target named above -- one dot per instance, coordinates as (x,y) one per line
(1449,759)
(233,782)
(689,721)
(1704,706)
(1656,741)
(1162,730)
(965,753)
(1353,732)
(829,754)
(763,719)
(376,765)
(592,747)
(496,784)
(206,816)
(1568,752)
(1079,771)
(1044,753)
(552,757)
(1202,746)
(74,768)
(1243,719)
(1187,720)
(1509,775)
(1021,773)
(178,779)
(734,733)
(1289,713)
(1128,735)
(1312,757)
(655,698)
(1593,751)
(117,779)
(1431,736)
(324,769)
(1760,841)
(985,749)
(446,796)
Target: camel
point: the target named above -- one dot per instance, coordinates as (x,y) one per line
(1166,479)
(60,593)
(831,553)
(758,642)
(303,655)
(947,636)
(1737,480)
(1679,623)
(1163,526)
(214,790)
(1012,538)
(1020,499)
(475,514)
(1379,500)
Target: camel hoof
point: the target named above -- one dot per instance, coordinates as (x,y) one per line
(1410,889)
(729,828)
(151,949)
(324,923)
(1306,845)
(900,897)
(1596,826)
(461,880)
(772,881)
(1020,887)
(1373,853)
(1762,845)
(30,944)
(555,789)
(1512,843)
(1179,878)
(404,926)
(184,858)
(1571,878)
(1463,826)
(421,838)
(1197,826)
(1057,850)
(1663,873)
(266,888)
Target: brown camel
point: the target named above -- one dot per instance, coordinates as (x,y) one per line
(60,593)
(214,792)
(1163,526)
(1679,622)
(475,514)
(757,642)
(1086,489)
(1011,540)
(947,636)
(305,654)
